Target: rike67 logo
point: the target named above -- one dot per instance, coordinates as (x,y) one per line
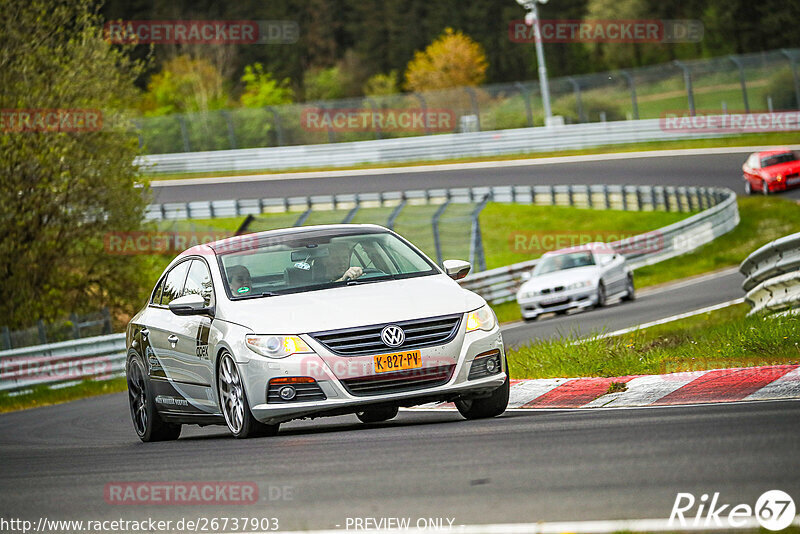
(774,510)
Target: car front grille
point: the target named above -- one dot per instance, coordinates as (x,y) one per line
(400,381)
(367,339)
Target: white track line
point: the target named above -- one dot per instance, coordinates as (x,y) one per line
(458,166)
(664,320)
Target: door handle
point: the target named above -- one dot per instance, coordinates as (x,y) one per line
(173,339)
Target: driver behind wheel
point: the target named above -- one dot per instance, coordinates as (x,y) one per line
(338,261)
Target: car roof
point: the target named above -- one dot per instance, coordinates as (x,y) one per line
(259,239)
(773,151)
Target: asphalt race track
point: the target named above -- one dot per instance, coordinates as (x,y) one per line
(718,170)
(521,467)
(536,465)
(668,301)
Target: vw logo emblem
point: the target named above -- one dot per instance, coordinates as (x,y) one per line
(393,336)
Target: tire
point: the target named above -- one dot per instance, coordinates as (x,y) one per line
(234,405)
(601,295)
(630,290)
(748,189)
(377,415)
(146,421)
(764,187)
(485,408)
(531,319)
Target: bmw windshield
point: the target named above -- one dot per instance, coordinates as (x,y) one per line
(307,261)
(560,262)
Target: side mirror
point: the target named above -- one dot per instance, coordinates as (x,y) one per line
(193,304)
(456,269)
(526,275)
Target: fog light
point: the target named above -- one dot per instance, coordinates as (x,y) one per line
(491,365)
(287,393)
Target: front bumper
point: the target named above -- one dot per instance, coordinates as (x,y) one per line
(532,307)
(324,367)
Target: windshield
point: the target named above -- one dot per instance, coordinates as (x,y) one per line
(561,262)
(294,264)
(777,159)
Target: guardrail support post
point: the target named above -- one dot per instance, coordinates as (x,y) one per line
(396,213)
(424,110)
(6,338)
(475,108)
(231,133)
(526,97)
(276,120)
(374,106)
(687,80)
(793,65)
(606,198)
(634,100)
(624,198)
(435,225)
(738,62)
(42,331)
(578,103)
(184,134)
(476,255)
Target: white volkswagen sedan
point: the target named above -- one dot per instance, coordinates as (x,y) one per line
(575,279)
(256,330)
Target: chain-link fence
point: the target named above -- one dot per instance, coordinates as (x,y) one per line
(75,327)
(752,82)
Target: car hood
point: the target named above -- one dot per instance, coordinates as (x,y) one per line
(783,168)
(561,278)
(352,306)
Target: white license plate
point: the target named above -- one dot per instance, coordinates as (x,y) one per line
(793,181)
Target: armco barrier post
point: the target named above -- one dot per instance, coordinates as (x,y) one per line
(687,80)
(527,99)
(634,99)
(738,62)
(435,225)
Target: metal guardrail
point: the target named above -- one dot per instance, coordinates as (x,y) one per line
(433,147)
(63,363)
(773,276)
(720,215)
(104,356)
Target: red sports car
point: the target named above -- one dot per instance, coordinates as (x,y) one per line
(771,170)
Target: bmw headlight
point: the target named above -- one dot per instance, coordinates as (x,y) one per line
(276,346)
(578,285)
(481,319)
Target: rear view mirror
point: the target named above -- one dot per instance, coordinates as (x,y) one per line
(456,269)
(192,304)
(309,253)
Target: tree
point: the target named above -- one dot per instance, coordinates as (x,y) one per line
(185,85)
(261,89)
(382,84)
(62,190)
(452,60)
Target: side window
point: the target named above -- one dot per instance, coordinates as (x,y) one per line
(199,281)
(157,293)
(173,284)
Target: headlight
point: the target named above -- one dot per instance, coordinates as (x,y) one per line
(481,319)
(276,346)
(779,178)
(578,285)
(527,294)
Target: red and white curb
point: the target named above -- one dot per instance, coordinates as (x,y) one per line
(695,387)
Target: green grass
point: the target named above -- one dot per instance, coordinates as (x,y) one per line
(780,138)
(43,396)
(720,339)
(514,233)
(763,219)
